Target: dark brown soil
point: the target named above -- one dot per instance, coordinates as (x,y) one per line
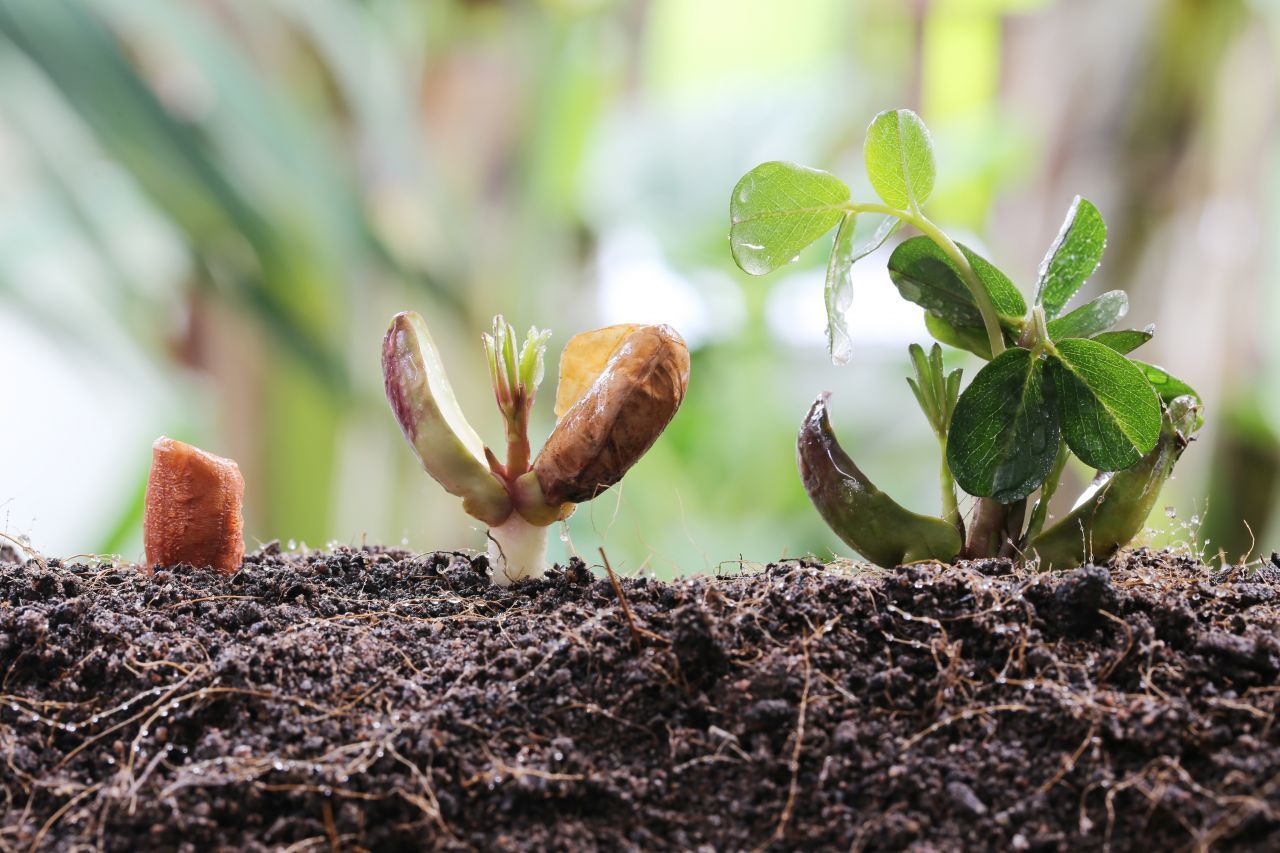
(386,701)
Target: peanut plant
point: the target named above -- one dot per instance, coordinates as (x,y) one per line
(619,388)
(1057,383)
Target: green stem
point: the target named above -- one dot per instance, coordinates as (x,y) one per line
(990,318)
(922,223)
(950,508)
(1041,511)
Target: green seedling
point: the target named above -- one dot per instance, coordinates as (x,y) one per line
(619,388)
(1058,383)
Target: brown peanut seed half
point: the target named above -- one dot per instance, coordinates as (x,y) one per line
(618,417)
(193,509)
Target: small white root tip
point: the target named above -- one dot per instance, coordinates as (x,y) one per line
(517,550)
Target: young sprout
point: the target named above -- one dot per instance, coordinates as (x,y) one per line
(1058,383)
(193,509)
(619,388)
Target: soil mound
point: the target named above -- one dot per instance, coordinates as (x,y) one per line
(377,699)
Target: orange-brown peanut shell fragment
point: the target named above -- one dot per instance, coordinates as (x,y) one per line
(618,417)
(193,509)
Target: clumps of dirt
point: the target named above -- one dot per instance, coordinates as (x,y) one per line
(378,699)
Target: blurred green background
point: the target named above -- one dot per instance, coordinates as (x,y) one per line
(209,210)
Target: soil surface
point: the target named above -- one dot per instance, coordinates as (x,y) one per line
(380,700)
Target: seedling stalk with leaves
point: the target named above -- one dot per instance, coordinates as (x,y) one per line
(1057,383)
(619,388)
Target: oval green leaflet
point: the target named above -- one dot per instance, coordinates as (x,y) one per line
(1126,340)
(900,160)
(1072,258)
(1094,317)
(924,274)
(778,209)
(1004,435)
(1110,415)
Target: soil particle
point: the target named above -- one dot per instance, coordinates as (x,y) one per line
(377,699)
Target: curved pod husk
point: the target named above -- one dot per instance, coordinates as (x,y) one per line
(623,410)
(1117,512)
(867,519)
(429,416)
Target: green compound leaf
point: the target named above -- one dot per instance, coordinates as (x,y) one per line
(1092,318)
(924,275)
(1110,416)
(1127,340)
(1004,436)
(1072,258)
(848,250)
(778,209)
(899,155)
